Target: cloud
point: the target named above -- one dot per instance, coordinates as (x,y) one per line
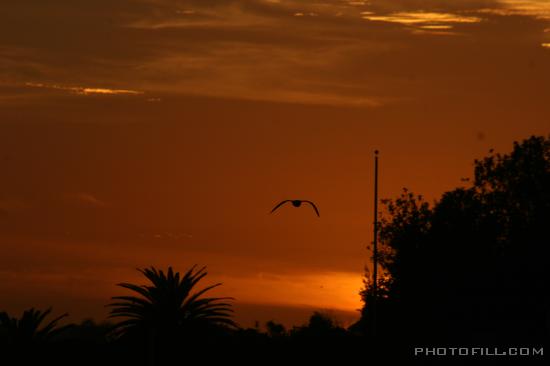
(81,90)
(534,8)
(423,18)
(338,53)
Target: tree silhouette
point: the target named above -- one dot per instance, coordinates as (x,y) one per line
(473,265)
(275,329)
(166,312)
(28,330)
(319,325)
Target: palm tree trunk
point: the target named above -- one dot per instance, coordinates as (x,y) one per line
(151,347)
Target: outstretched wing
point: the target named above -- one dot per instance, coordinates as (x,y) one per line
(314,207)
(279,205)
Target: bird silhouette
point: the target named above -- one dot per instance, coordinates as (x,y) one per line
(297,203)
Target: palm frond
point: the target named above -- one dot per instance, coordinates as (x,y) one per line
(167,304)
(27,329)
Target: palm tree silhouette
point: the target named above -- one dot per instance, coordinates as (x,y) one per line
(26,330)
(166,315)
(168,306)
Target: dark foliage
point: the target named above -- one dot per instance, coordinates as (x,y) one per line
(29,330)
(167,314)
(473,266)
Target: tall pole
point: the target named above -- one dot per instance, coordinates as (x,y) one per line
(375,247)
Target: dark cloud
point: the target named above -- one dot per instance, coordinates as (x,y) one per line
(252,49)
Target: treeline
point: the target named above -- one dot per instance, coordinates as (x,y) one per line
(167,319)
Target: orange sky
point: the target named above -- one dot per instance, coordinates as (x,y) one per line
(161,132)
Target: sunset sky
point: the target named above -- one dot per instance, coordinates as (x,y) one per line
(162,132)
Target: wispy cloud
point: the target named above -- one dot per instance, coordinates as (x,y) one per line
(436,27)
(535,8)
(333,52)
(81,90)
(425,19)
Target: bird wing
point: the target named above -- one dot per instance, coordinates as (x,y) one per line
(279,205)
(314,207)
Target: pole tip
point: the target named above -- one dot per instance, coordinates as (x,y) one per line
(376,152)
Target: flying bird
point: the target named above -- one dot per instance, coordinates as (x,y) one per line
(297,203)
